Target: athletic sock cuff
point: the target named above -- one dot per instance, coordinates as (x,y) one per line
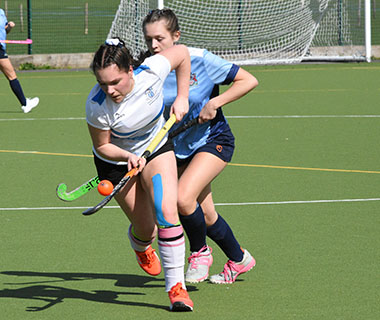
(136,240)
(170,234)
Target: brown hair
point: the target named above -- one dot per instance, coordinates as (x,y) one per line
(160,14)
(113,53)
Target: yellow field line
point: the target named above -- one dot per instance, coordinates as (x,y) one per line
(56,76)
(48,153)
(258,91)
(230,164)
(300,168)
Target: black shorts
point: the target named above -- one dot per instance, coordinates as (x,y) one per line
(114,173)
(222,146)
(3,53)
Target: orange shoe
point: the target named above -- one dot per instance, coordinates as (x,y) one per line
(149,261)
(179,299)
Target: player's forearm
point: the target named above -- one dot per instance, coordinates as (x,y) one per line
(235,92)
(244,82)
(181,65)
(183,70)
(111,152)
(101,140)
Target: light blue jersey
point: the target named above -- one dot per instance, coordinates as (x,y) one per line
(207,72)
(3,31)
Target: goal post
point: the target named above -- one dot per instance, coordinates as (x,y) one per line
(260,31)
(344,33)
(127,24)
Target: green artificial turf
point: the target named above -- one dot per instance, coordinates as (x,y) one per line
(301,194)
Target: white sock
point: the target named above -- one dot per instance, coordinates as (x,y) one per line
(137,244)
(171,244)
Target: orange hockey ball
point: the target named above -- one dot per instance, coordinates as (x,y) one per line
(105,187)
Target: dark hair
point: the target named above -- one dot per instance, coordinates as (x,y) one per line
(116,53)
(160,14)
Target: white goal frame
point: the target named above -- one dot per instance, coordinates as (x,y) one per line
(307,25)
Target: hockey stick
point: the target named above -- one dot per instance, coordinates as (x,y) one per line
(183,128)
(92,183)
(157,139)
(27,41)
(78,192)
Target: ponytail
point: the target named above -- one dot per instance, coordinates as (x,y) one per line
(114,51)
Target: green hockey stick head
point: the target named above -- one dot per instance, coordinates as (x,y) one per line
(78,192)
(92,183)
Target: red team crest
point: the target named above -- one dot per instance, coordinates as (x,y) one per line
(193,80)
(219,148)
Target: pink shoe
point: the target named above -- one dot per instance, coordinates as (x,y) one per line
(199,264)
(233,269)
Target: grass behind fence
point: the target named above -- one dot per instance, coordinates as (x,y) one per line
(59,26)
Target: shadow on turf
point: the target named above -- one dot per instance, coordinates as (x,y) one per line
(52,295)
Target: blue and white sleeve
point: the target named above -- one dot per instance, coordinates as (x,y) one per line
(95,115)
(218,69)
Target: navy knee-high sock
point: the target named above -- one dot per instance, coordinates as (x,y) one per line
(17,90)
(195,228)
(221,233)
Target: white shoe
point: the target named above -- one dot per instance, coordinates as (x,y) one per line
(233,269)
(30,104)
(199,264)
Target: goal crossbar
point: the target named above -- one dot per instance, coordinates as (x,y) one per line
(260,31)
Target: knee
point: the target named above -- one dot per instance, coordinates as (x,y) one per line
(169,214)
(210,217)
(186,202)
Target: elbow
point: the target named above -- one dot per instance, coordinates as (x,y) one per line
(248,79)
(254,83)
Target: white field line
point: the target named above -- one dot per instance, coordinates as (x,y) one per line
(228,117)
(43,119)
(217,204)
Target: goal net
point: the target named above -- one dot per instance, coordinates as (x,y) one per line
(127,24)
(258,31)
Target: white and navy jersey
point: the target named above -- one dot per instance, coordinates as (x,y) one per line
(138,118)
(207,72)
(3,31)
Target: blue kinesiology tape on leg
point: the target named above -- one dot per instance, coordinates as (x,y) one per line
(158,196)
